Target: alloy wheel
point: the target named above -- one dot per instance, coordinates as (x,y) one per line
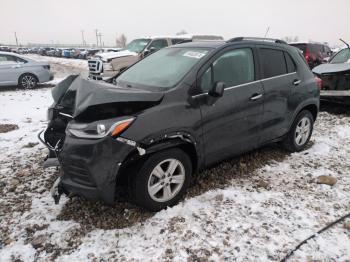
(302,131)
(28,81)
(166,180)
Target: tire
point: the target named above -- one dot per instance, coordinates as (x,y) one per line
(151,184)
(28,81)
(300,133)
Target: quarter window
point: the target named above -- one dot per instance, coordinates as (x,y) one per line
(290,63)
(234,67)
(273,62)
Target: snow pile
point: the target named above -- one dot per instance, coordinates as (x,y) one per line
(246,221)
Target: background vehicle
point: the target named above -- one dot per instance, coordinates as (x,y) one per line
(106,66)
(263,92)
(88,53)
(5,49)
(335,77)
(22,71)
(315,54)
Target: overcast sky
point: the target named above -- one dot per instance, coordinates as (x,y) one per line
(61,21)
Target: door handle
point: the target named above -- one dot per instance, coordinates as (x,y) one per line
(16,66)
(256,97)
(296,82)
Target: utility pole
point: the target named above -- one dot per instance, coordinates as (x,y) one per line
(96,32)
(100,35)
(82,35)
(16,39)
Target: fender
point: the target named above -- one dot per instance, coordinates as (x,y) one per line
(309,102)
(169,140)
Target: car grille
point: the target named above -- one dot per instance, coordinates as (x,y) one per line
(95,66)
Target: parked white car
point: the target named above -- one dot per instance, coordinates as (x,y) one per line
(22,71)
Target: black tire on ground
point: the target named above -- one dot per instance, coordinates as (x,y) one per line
(27,81)
(145,178)
(300,132)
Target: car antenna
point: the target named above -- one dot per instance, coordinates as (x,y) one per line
(267,31)
(345,43)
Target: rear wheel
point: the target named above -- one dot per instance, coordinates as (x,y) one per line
(162,179)
(28,81)
(300,132)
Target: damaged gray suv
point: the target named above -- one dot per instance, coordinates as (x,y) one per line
(176,112)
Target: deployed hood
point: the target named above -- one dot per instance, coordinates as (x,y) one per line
(111,55)
(331,68)
(89,93)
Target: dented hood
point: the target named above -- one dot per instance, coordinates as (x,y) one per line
(90,93)
(331,68)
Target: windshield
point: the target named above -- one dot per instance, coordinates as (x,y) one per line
(137,45)
(163,69)
(342,56)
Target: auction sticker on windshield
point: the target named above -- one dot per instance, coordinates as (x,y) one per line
(195,54)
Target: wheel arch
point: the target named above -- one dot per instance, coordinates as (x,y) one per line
(134,158)
(311,106)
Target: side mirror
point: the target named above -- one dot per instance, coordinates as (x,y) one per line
(217,89)
(149,51)
(152,49)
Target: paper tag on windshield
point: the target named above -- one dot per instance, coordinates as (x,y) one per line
(193,54)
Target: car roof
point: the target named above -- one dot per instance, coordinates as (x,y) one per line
(218,44)
(201,44)
(305,43)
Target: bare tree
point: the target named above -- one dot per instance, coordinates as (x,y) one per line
(121,41)
(182,32)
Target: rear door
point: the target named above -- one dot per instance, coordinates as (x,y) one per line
(279,77)
(231,124)
(9,68)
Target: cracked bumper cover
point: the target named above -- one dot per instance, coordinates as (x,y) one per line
(90,166)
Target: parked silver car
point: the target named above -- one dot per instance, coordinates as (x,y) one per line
(22,71)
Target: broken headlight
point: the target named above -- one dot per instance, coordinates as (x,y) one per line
(98,130)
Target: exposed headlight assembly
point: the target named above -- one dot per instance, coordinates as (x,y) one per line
(99,130)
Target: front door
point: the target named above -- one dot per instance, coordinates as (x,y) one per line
(231,124)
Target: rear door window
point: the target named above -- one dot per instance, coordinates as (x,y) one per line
(272,62)
(9,59)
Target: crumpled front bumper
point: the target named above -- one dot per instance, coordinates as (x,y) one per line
(90,167)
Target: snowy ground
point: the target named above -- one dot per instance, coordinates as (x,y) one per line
(253,208)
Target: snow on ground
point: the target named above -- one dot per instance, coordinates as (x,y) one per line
(258,215)
(69,62)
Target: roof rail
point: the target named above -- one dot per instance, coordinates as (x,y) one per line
(238,39)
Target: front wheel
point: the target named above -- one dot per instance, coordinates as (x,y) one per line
(162,180)
(300,132)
